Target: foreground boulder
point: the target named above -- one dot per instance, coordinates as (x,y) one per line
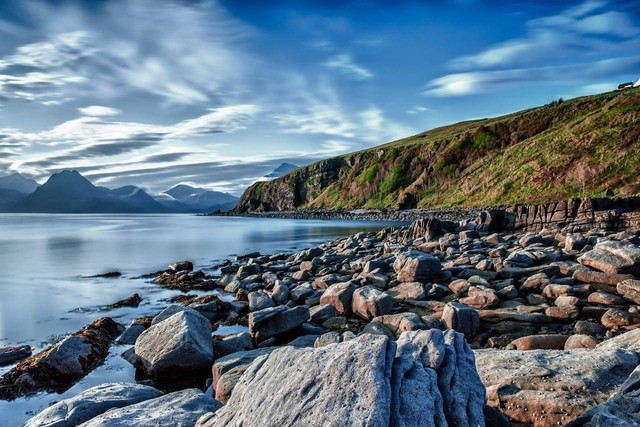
(180,343)
(59,366)
(178,409)
(428,378)
(91,403)
(273,321)
(551,387)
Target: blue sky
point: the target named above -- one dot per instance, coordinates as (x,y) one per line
(218,93)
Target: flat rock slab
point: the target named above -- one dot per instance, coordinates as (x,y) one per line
(273,321)
(178,409)
(9,355)
(91,403)
(59,366)
(551,387)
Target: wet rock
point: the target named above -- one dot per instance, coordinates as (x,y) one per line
(551,387)
(131,334)
(178,344)
(274,321)
(131,301)
(179,409)
(57,367)
(415,266)
(259,300)
(339,295)
(541,342)
(462,319)
(369,302)
(10,355)
(91,403)
(181,266)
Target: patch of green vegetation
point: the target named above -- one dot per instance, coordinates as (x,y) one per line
(484,140)
(369,174)
(393,181)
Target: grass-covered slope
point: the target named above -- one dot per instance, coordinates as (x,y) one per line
(575,148)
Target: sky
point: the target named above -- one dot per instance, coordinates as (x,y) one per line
(217,93)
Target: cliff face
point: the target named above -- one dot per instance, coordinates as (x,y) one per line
(575,148)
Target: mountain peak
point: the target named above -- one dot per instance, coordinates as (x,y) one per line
(19,183)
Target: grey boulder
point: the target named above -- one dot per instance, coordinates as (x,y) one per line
(91,403)
(178,409)
(179,343)
(427,379)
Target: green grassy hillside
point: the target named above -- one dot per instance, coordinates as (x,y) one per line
(575,148)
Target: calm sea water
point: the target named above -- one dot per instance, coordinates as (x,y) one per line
(45,260)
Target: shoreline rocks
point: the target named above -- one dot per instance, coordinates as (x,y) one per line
(59,366)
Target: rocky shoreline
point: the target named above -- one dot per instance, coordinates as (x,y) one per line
(473,321)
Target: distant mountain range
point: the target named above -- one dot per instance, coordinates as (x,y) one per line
(69,192)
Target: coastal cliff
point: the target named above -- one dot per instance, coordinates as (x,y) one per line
(575,148)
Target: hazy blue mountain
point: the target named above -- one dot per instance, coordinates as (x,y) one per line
(69,192)
(283,169)
(7,196)
(138,197)
(201,199)
(19,183)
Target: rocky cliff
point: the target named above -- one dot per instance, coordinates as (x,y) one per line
(576,148)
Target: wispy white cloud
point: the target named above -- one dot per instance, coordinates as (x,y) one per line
(182,53)
(98,111)
(418,109)
(345,65)
(462,84)
(86,138)
(578,31)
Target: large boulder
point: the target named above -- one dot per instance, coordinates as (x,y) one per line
(59,366)
(178,409)
(551,387)
(613,257)
(428,379)
(273,321)
(370,302)
(180,343)
(91,403)
(416,266)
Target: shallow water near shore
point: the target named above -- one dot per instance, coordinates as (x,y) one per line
(45,291)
